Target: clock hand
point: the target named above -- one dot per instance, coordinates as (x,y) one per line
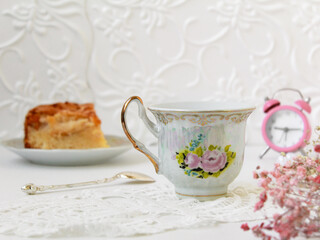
(279,128)
(286,129)
(281,137)
(285,136)
(294,129)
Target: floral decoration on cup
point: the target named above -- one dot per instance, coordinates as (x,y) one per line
(202,162)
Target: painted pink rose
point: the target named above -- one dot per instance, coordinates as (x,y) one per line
(213,161)
(192,160)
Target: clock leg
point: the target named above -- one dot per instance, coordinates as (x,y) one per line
(264,152)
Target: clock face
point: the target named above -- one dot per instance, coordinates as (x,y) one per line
(285,128)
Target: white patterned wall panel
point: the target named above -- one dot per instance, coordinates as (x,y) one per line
(107,50)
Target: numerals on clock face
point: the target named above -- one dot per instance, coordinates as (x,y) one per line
(285,128)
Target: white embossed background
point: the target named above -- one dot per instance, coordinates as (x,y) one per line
(107,50)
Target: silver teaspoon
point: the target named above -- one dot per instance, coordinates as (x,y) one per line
(31,188)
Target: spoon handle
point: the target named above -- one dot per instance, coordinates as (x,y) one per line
(33,189)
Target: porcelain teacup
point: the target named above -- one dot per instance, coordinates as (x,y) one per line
(200,144)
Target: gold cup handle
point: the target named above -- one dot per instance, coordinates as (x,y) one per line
(150,125)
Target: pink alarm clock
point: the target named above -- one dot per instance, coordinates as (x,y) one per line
(286,128)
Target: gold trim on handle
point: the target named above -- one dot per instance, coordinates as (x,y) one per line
(126,131)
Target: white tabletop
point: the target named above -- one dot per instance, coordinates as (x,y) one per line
(15,172)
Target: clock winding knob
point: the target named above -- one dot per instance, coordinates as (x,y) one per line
(270,104)
(303,105)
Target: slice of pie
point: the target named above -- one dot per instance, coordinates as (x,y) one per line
(63,126)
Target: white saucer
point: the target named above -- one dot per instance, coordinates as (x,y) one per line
(69,157)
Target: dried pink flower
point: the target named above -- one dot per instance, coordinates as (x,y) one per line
(263,196)
(245,227)
(301,171)
(317,179)
(294,187)
(264,182)
(264,173)
(258,205)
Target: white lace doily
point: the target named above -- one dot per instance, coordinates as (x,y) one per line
(122,210)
